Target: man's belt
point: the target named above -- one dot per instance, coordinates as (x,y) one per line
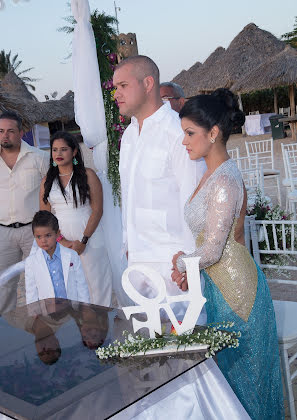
(16,225)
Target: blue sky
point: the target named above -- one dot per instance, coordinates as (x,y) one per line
(175,33)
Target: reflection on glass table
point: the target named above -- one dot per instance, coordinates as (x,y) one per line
(48,363)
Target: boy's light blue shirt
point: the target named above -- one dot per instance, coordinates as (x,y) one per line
(55,269)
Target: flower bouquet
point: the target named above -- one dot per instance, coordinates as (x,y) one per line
(210,339)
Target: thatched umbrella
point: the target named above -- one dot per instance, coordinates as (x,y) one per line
(33,112)
(185,77)
(180,78)
(194,83)
(54,110)
(250,48)
(279,70)
(12,84)
(13,103)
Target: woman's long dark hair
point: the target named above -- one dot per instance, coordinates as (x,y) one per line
(79,177)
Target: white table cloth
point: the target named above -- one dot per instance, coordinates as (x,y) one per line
(255,124)
(202,393)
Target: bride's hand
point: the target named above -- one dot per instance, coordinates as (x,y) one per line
(78,247)
(180,279)
(174,259)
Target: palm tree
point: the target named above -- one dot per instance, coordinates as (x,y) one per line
(291,37)
(8,63)
(105,38)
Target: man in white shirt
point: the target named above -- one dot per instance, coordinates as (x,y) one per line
(157,176)
(22,168)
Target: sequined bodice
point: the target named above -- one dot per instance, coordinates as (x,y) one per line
(212,216)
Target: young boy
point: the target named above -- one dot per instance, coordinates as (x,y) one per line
(53,271)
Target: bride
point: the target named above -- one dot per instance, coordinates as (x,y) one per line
(74,194)
(235,288)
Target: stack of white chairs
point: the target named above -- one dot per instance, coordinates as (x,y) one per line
(234,153)
(264,150)
(291,168)
(280,238)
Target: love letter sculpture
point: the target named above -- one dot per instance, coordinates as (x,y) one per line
(152,306)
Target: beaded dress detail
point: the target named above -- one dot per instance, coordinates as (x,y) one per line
(236,290)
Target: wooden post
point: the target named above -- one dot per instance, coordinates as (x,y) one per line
(292,100)
(275,101)
(241,108)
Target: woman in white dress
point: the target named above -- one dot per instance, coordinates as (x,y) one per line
(74,194)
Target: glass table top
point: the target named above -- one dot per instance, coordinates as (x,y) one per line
(49,369)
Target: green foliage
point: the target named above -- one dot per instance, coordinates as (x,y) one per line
(8,63)
(210,335)
(112,120)
(291,37)
(263,100)
(105,38)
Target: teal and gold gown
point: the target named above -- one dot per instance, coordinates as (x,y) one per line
(236,290)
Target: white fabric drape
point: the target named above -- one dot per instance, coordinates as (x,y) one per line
(202,393)
(90,116)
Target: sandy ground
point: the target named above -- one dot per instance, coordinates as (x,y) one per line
(278,292)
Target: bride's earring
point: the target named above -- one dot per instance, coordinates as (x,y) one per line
(212,140)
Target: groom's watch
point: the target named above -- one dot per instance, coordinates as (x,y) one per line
(84,240)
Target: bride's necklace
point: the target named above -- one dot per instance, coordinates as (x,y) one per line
(66,174)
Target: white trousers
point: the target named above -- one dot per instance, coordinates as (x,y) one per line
(15,245)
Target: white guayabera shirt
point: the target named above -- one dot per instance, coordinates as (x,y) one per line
(19,186)
(157,177)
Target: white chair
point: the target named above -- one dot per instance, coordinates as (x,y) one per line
(252,175)
(290,147)
(264,150)
(285,314)
(280,239)
(234,153)
(291,162)
(285,111)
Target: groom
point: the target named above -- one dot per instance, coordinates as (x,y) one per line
(157,176)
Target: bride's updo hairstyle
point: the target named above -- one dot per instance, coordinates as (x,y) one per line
(220,108)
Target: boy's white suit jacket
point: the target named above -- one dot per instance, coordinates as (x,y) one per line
(38,280)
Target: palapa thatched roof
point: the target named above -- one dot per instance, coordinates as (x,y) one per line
(13,103)
(223,68)
(185,77)
(250,48)
(192,86)
(53,110)
(279,70)
(12,84)
(34,112)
